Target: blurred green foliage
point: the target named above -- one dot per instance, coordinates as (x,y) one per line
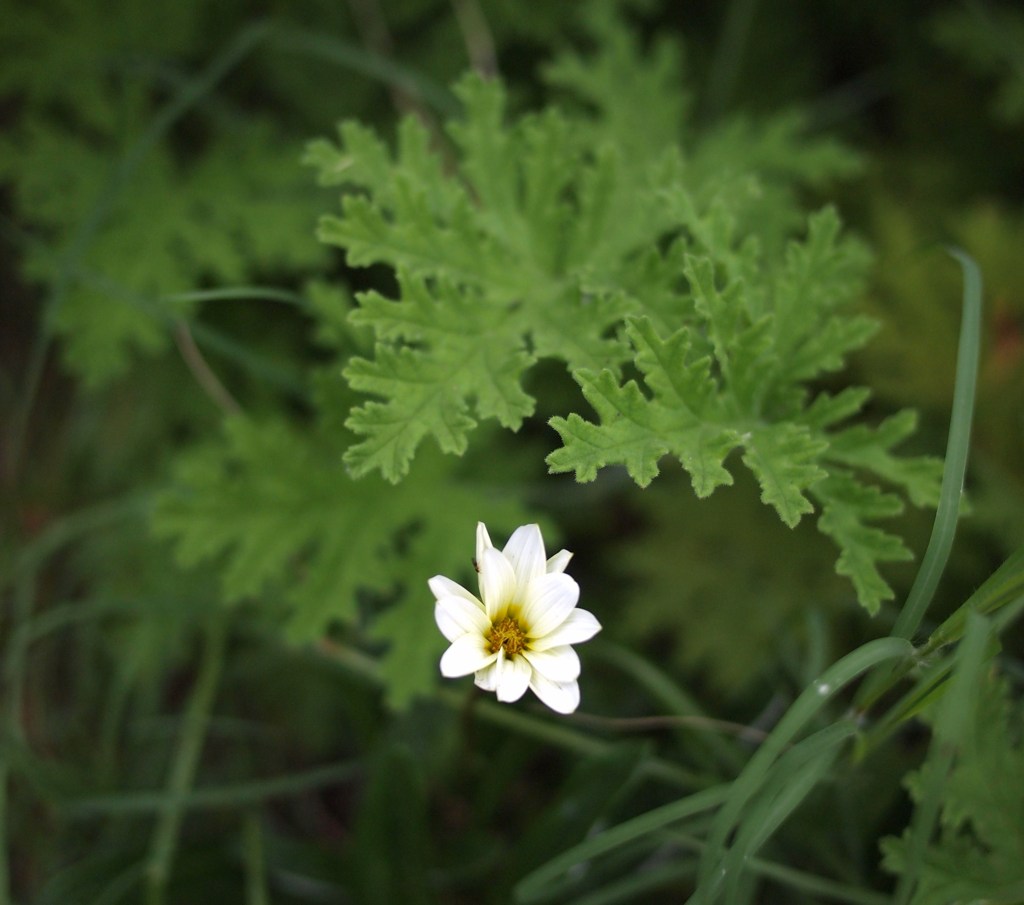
(219,659)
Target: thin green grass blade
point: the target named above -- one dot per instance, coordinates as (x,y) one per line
(25,566)
(254,859)
(798,880)
(926,688)
(364,667)
(117,890)
(284,378)
(803,710)
(262,367)
(1000,590)
(813,885)
(69,528)
(375,66)
(932,683)
(5,874)
(950,731)
(1000,597)
(184,100)
(727,62)
(228,795)
(946,514)
(672,698)
(788,783)
(237,293)
(537,885)
(629,889)
(964,390)
(164,840)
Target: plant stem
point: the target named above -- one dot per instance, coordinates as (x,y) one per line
(186,758)
(14,676)
(5,880)
(255,867)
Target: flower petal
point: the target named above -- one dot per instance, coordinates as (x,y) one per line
(456,616)
(579,626)
(513,679)
(466,654)
(550,600)
(559,664)
(525,551)
(483,542)
(562,697)
(444,587)
(559,561)
(487,678)
(497,583)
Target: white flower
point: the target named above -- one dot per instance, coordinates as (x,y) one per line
(519,636)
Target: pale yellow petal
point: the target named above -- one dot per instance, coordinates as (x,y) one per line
(562,697)
(578,626)
(550,600)
(497,583)
(513,679)
(456,616)
(559,664)
(525,551)
(466,655)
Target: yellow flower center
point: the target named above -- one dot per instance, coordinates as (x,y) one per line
(507,634)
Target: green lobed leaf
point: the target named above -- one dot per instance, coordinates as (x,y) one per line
(976,855)
(734,374)
(474,353)
(870,448)
(238,210)
(784,458)
(482,257)
(627,434)
(290,528)
(846,508)
(536,241)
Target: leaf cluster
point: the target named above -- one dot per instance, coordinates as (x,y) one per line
(976,855)
(273,506)
(127,201)
(555,236)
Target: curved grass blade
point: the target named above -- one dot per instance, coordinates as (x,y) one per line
(1000,590)
(538,885)
(803,710)
(946,514)
(229,795)
(629,888)
(957,445)
(674,699)
(789,782)
(949,731)
(184,100)
(366,668)
(164,840)
(373,65)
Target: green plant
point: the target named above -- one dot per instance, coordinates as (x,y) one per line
(600,292)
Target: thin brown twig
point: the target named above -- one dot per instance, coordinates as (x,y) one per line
(202,371)
(375,34)
(477,36)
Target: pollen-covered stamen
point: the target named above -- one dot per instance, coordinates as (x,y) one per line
(507,634)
